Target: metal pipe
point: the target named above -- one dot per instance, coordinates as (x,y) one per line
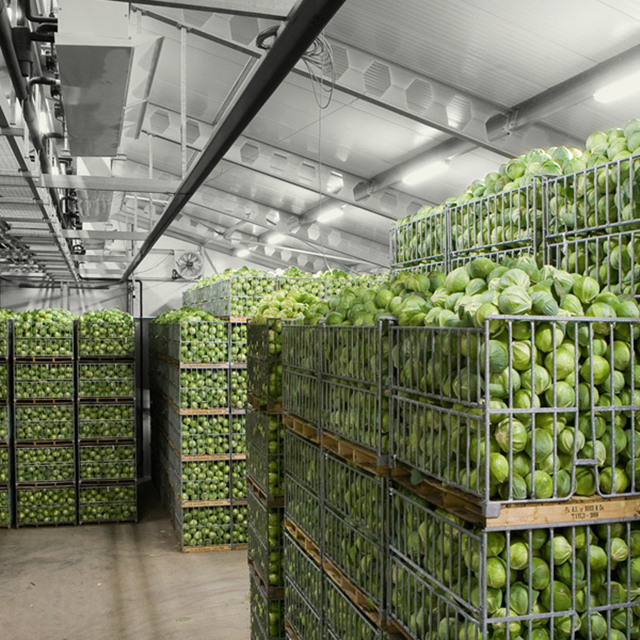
(25,6)
(53,82)
(304,23)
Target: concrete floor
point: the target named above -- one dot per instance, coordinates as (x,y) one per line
(119,582)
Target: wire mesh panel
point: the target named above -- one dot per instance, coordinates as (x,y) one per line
(560,579)
(201,435)
(303,572)
(194,388)
(4,424)
(555,398)
(51,505)
(265,541)
(101,337)
(599,200)
(96,421)
(500,221)
(423,236)
(238,389)
(359,497)
(265,454)
(267,615)
(301,395)
(211,526)
(42,339)
(203,481)
(45,464)
(4,382)
(105,380)
(359,557)
(238,479)
(301,347)
(4,337)
(343,619)
(238,433)
(303,508)
(195,342)
(4,464)
(306,622)
(107,462)
(107,504)
(43,381)
(303,461)
(44,422)
(355,366)
(5,508)
(238,347)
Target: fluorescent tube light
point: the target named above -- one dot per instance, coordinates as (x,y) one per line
(619,89)
(329,215)
(243,253)
(425,173)
(276,238)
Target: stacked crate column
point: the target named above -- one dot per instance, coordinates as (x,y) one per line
(5,465)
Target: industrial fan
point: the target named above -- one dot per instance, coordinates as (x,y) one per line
(188,266)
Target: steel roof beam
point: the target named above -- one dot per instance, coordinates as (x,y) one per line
(273,9)
(305,22)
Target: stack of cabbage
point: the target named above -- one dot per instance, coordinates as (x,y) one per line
(448,578)
(106,333)
(44,332)
(5,316)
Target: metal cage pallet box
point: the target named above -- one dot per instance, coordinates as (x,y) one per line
(48,423)
(194,342)
(300,617)
(53,505)
(562,579)
(44,381)
(265,537)
(549,416)
(265,365)
(265,454)
(98,504)
(101,380)
(302,570)
(106,463)
(267,615)
(106,421)
(5,506)
(100,339)
(43,340)
(45,465)
(303,509)
(422,237)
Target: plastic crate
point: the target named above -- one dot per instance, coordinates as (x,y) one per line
(106,380)
(107,504)
(106,339)
(265,541)
(45,464)
(107,462)
(44,422)
(547,577)
(45,506)
(544,422)
(43,381)
(99,421)
(265,453)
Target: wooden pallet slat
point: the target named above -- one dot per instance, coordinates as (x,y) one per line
(303,540)
(261,496)
(215,548)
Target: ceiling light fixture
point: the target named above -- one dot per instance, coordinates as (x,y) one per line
(619,89)
(276,238)
(243,253)
(425,173)
(330,215)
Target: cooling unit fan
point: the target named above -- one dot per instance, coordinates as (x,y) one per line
(188,266)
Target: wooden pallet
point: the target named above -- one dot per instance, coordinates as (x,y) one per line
(106,482)
(98,441)
(269,592)
(42,401)
(354,593)
(214,548)
(43,359)
(53,484)
(215,457)
(291,631)
(88,359)
(576,510)
(44,443)
(354,453)
(195,504)
(301,427)
(264,407)
(261,496)
(303,540)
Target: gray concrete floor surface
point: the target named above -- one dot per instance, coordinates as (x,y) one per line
(119,582)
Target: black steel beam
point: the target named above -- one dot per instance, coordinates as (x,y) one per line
(303,25)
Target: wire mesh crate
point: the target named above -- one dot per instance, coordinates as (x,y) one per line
(101,421)
(301,347)
(303,509)
(562,579)
(301,395)
(4,464)
(596,201)
(554,426)
(500,221)
(309,284)
(359,557)
(267,615)
(238,434)
(195,388)
(43,381)
(4,382)
(238,347)
(239,296)
(612,260)
(5,508)
(41,506)
(42,339)
(303,572)
(205,481)
(45,464)
(197,342)
(356,495)
(238,389)
(303,461)
(265,453)
(4,424)
(201,435)
(107,504)
(223,526)
(5,330)
(344,620)
(304,621)
(422,237)
(238,479)
(106,380)
(44,422)
(264,364)
(107,462)
(98,338)
(354,394)
(265,541)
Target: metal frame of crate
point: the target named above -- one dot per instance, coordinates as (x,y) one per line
(429,233)
(180,348)
(5,467)
(265,464)
(263,365)
(52,423)
(264,610)
(38,341)
(26,514)
(451,414)
(115,340)
(59,387)
(122,498)
(121,380)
